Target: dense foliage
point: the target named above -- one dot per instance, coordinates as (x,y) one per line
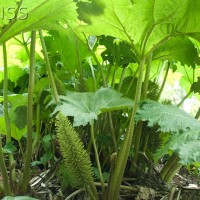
(79,80)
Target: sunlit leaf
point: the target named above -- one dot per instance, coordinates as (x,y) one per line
(34,15)
(68,46)
(14,72)
(145,23)
(179,49)
(15,132)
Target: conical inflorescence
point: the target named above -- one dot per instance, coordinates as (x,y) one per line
(76,159)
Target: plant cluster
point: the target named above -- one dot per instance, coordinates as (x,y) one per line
(85,83)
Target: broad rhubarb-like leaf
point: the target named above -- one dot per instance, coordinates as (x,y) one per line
(27,15)
(17,114)
(16,133)
(168,117)
(185,144)
(179,49)
(70,48)
(146,24)
(185,135)
(86,106)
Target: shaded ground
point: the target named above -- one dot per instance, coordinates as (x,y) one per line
(184,187)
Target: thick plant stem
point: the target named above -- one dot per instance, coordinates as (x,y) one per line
(168,167)
(50,74)
(175,168)
(113,158)
(26,174)
(6,115)
(5,95)
(146,78)
(138,132)
(160,71)
(144,95)
(91,194)
(97,160)
(121,161)
(5,179)
(164,81)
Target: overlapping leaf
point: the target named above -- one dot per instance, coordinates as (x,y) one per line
(16,133)
(44,14)
(196,86)
(85,107)
(185,144)
(179,49)
(17,114)
(168,117)
(185,134)
(117,52)
(145,23)
(14,73)
(70,48)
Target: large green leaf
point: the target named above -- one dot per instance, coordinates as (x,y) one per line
(14,72)
(70,48)
(16,100)
(179,49)
(15,132)
(86,106)
(189,152)
(142,22)
(185,144)
(185,130)
(117,52)
(168,117)
(44,14)
(17,114)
